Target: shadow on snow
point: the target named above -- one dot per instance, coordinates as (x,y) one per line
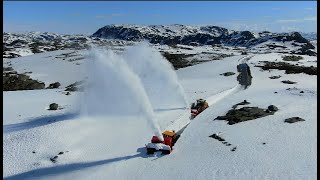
(60,169)
(39,121)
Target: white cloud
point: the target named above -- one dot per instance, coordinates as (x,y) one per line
(287,20)
(310,18)
(289,28)
(308,8)
(296,20)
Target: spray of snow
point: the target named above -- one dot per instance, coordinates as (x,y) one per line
(112,89)
(157,75)
(218,97)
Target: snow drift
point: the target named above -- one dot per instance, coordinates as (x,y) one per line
(112,89)
(157,75)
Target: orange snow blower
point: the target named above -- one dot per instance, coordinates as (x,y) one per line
(198,107)
(165,146)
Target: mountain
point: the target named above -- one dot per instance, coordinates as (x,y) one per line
(22,44)
(310,36)
(203,35)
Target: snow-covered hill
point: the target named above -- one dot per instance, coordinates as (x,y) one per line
(112,147)
(23,44)
(16,45)
(205,35)
(310,36)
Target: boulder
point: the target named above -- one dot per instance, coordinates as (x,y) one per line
(288,82)
(293,120)
(275,77)
(228,74)
(272,108)
(53,106)
(54,85)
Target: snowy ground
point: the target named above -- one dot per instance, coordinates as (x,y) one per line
(113,147)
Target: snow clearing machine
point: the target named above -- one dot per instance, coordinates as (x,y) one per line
(165,146)
(198,107)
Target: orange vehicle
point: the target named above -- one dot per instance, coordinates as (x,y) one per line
(165,146)
(198,107)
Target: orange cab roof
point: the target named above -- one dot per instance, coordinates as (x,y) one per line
(168,133)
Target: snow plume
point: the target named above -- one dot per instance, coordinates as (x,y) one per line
(157,75)
(112,89)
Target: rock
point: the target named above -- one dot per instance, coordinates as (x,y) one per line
(301,91)
(292,58)
(54,159)
(215,136)
(228,73)
(53,106)
(221,118)
(272,108)
(12,81)
(275,77)
(245,114)
(7,69)
(289,68)
(68,93)
(71,88)
(54,85)
(293,120)
(291,89)
(245,102)
(288,82)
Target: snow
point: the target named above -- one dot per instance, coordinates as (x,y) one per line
(46,67)
(113,147)
(152,67)
(158,146)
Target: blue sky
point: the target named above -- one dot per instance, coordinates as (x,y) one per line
(84,17)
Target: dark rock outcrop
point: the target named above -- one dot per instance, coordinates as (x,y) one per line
(288,82)
(293,120)
(228,74)
(53,106)
(289,68)
(272,108)
(275,77)
(12,81)
(234,116)
(54,85)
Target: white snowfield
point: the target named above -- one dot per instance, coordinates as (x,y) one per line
(113,147)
